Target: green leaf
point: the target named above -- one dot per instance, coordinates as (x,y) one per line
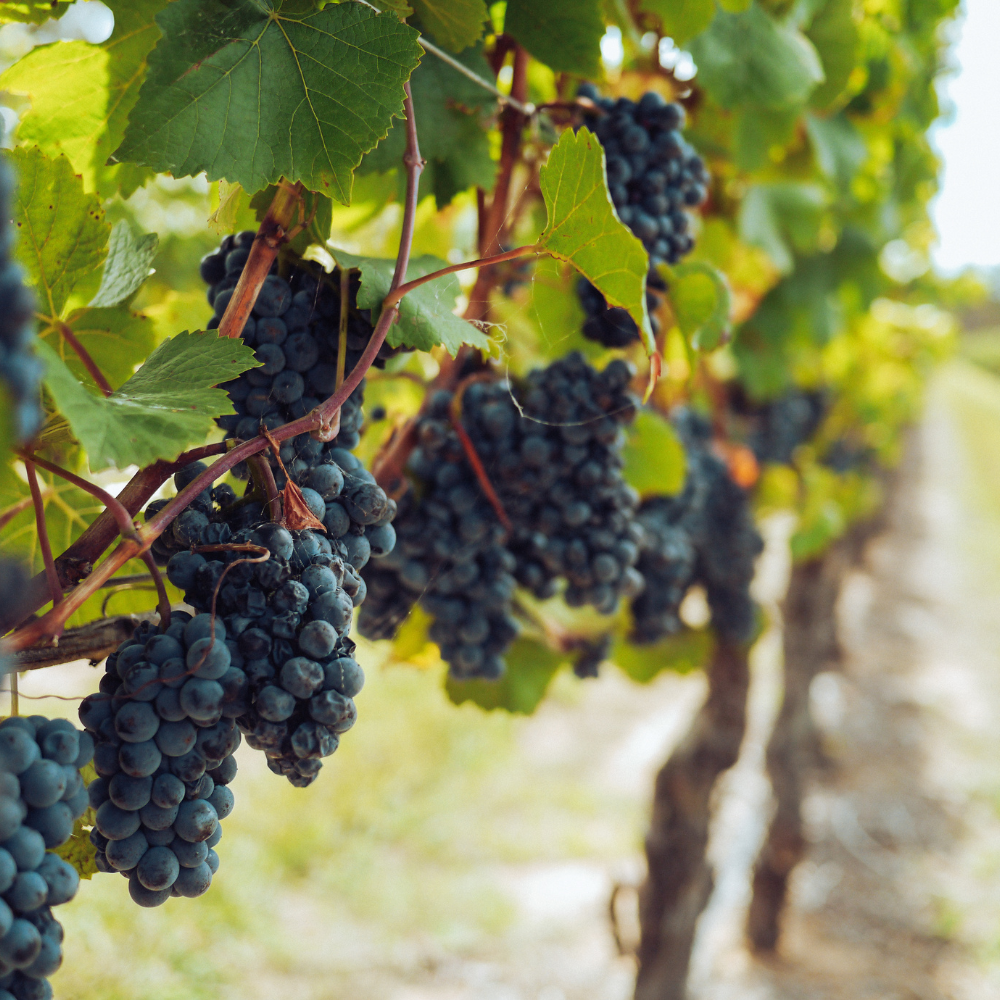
(654,456)
(452,113)
(62,236)
(762,133)
(700,299)
(116,338)
(781,218)
(167,406)
(81,95)
(250,94)
(127,266)
(839,147)
(584,229)
(32,11)
(563,34)
(455,24)
(688,650)
(530,669)
(752,59)
(681,20)
(735,6)
(425,315)
(835,36)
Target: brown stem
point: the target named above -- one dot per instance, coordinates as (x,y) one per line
(55,589)
(811,644)
(345,297)
(88,362)
(491,237)
(414,166)
(162,600)
(272,234)
(679,879)
(469,448)
(92,641)
(77,561)
(122,517)
(263,479)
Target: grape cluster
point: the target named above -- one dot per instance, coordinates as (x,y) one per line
(654,178)
(20,370)
(781,425)
(163,724)
(450,556)
(41,794)
(295,328)
(555,465)
(286,622)
(705,535)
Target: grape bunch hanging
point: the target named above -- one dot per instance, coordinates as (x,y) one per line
(42,794)
(553,458)
(295,331)
(655,178)
(165,738)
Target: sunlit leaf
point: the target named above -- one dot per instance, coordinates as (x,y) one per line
(654,456)
(583,228)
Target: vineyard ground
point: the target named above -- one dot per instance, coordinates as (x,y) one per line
(453,856)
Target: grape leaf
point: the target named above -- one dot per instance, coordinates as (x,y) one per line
(700,299)
(425,315)
(62,236)
(530,669)
(247,92)
(782,217)
(836,38)
(584,229)
(451,113)
(751,58)
(127,266)
(688,650)
(116,338)
(681,19)
(563,34)
(654,456)
(32,11)
(166,406)
(81,95)
(839,147)
(455,24)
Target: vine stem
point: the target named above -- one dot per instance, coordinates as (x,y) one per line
(52,623)
(162,600)
(122,517)
(104,529)
(84,355)
(263,479)
(55,588)
(272,234)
